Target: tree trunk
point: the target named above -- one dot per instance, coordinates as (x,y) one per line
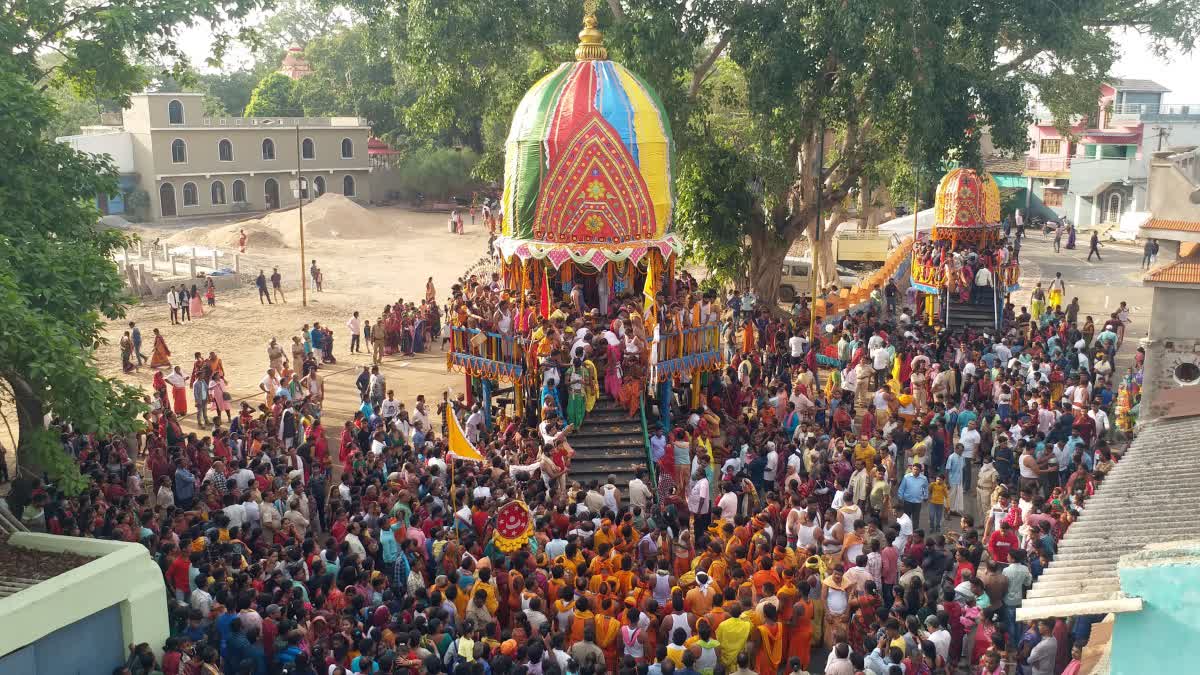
(826,264)
(766,266)
(30,418)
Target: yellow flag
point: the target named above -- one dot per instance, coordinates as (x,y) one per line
(460,447)
(650,312)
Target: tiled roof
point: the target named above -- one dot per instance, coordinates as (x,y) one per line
(1182,271)
(1138,85)
(1124,515)
(1176,225)
(997,164)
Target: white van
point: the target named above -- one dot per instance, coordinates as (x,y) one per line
(796,279)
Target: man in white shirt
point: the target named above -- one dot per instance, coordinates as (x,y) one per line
(905,524)
(983,284)
(240,476)
(699,501)
(770,472)
(797,345)
(236,513)
(940,637)
(639,492)
(474,425)
(728,504)
(173,304)
(1101,419)
(389,408)
(881,360)
(355,329)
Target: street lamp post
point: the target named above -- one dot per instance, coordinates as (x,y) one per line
(300,192)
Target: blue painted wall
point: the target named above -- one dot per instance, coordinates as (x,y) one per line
(1158,638)
(88,647)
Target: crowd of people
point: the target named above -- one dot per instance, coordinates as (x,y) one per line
(873,498)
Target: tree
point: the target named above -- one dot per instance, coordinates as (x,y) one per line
(58,281)
(296,23)
(353,74)
(877,80)
(229,92)
(273,97)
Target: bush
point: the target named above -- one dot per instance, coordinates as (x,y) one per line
(440,174)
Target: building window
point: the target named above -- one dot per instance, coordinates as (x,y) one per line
(347,148)
(175,112)
(239,192)
(218,192)
(1052,197)
(190,198)
(225,150)
(1187,373)
(268,148)
(1112,208)
(308,149)
(178,151)
(1051,146)
(1117,151)
(166,198)
(319,185)
(348,186)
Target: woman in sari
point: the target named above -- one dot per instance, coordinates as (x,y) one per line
(216,391)
(178,391)
(195,307)
(126,353)
(161,356)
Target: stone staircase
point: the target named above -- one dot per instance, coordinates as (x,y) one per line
(980,317)
(610,442)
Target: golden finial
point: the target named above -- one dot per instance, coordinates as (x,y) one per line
(591,40)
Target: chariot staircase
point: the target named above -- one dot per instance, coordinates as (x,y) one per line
(610,442)
(977,316)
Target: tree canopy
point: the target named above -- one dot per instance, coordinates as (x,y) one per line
(896,87)
(273,96)
(58,281)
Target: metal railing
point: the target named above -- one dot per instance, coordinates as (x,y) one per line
(285,122)
(689,342)
(1135,110)
(506,349)
(1048,163)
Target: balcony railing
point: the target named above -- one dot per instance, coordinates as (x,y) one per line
(284,122)
(1048,164)
(1136,111)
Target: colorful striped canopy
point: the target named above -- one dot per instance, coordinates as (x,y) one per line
(588,160)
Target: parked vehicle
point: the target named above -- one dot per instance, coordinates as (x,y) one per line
(797,278)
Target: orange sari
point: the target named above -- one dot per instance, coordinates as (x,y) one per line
(800,633)
(770,656)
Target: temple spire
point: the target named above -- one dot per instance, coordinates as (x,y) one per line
(591,40)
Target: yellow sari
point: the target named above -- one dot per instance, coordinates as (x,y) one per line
(733,634)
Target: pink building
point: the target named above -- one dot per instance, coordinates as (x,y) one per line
(1098,172)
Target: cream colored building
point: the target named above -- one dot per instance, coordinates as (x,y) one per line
(192,165)
(1173,343)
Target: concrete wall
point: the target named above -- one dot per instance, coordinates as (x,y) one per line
(1170,189)
(1159,638)
(123,575)
(256,190)
(118,145)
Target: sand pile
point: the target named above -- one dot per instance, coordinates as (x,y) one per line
(226,237)
(329,216)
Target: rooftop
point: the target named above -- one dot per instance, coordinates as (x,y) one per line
(1124,515)
(998,164)
(1172,224)
(1128,84)
(1182,271)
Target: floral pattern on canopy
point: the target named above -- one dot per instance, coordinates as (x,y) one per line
(967,209)
(588,168)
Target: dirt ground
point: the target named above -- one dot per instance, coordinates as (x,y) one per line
(359,275)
